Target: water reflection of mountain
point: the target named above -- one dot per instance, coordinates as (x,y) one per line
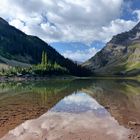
(28,100)
(121,97)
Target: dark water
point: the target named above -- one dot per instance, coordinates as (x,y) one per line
(23,101)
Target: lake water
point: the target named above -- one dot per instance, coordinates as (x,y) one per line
(85,109)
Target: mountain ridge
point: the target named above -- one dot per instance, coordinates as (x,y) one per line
(24,49)
(120,56)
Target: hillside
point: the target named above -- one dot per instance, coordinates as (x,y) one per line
(19,49)
(120,56)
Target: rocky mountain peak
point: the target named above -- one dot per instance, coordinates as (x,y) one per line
(121,55)
(126,38)
(137,27)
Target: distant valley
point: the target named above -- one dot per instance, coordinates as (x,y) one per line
(120,56)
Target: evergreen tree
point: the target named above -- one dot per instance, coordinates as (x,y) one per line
(44,58)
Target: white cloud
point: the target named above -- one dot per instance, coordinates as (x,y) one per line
(82,21)
(18,23)
(80,99)
(137,12)
(80,55)
(67,20)
(115,27)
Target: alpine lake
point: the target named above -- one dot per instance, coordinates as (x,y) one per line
(78,109)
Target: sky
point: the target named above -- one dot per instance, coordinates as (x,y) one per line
(78,29)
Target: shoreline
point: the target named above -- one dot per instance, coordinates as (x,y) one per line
(63,77)
(34,78)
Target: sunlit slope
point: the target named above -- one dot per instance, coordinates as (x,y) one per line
(120,56)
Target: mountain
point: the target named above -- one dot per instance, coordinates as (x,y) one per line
(120,56)
(19,49)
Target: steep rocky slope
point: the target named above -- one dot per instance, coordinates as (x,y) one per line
(120,56)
